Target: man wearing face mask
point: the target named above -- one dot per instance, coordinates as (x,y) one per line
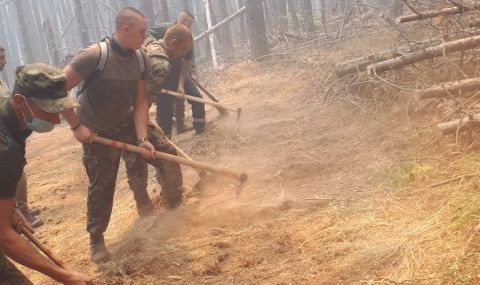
(21,198)
(37,99)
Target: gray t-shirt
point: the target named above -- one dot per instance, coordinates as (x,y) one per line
(107,102)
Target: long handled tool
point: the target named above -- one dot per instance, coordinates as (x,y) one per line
(222,111)
(41,247)
(201,100)
(240,176)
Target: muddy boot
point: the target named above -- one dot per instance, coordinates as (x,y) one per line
(199,127)
(145,210)
(98,252)
(172,199)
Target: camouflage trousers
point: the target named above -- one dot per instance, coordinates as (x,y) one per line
(9,274)
(101,163)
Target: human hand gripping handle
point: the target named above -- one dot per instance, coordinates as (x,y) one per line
(82,134)
(20,223)
(148,151)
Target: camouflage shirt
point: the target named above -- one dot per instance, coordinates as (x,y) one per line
(12,149)
(4,89)
(160,65)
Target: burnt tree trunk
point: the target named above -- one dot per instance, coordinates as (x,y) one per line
(243,26)
(226,30)
(82,26)
(282,15)
(323,13)
(257,33)
(146,6)
(163,11)
(25,39)
(293,15)
(308,24)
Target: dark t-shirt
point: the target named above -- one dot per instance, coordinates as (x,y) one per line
(107,101)
(12,150)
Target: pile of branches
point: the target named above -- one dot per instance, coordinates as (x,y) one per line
(442,69)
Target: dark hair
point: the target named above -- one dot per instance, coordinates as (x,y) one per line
(2,48)
(126,16)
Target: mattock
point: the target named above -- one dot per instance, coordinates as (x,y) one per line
(201,100)
(241,177)
(223,112)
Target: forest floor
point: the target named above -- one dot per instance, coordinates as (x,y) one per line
(338,191)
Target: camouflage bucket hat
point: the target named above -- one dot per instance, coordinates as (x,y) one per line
(44,85)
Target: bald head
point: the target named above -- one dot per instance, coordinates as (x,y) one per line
(128,16)
(178,40)
(185,18)
(178,32)
(131,28)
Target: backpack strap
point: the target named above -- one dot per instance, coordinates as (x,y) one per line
(102,62)
(141,61)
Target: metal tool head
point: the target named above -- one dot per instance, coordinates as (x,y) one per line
(239,113)
(223,112)
(241,182)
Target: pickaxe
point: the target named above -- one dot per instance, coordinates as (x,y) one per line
(223,112)
(240,176)
(201,100)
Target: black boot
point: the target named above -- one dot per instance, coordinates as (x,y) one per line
(172,199)
(145,210)
(98,251)
(199,127)
(181,127)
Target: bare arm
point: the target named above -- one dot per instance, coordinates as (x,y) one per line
(80,132)
(140,116)
(185,69)
(15,247)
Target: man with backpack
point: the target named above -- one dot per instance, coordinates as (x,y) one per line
(113,105)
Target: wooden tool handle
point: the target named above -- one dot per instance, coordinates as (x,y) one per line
(242,177)
(196,99)
(42,248)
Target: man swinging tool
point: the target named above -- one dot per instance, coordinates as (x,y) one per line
(34,105)
(113,105)
(179,80)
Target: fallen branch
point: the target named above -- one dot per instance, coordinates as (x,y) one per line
(428,53)
(436,13)
(470,122)
(360,64)
(447,88)
(220,24)
(453,180)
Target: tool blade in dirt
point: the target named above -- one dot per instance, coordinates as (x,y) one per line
(223,112)
(201,100)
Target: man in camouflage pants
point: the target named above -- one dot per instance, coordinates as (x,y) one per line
(176,44)
(114,105)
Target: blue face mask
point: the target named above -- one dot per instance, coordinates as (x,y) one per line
(37,125)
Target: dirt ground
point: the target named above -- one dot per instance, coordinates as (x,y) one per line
(337,194)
